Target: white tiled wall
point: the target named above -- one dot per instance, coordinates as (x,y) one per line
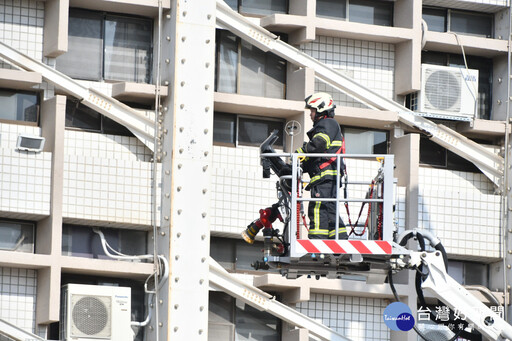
(239,190)
(461,209)
(21,26)
(24,176)
(369,63)
(18,297)
(357,318)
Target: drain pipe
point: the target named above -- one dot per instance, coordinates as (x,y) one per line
(504,197)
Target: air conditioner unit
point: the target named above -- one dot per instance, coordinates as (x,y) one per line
(30,143)
(95,312)
(448,92)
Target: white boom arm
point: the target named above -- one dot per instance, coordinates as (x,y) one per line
(457,298)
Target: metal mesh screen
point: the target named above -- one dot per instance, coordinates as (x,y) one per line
(91,316)
(442,90)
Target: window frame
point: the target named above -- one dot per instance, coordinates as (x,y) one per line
(362,130)
(239,8)
(22,223)
(219,38)
(38,108)
(451,160)
(236,132)
(104,17)
(448,20)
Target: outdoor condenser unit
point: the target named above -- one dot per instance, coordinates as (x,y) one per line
(448,92)
(95,312)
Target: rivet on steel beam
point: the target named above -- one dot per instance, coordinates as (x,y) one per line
(167,195)
(161,301)
(151,327)
(181,150)
(166,131)
(178,188)
(167,172)
(206,87)
(508,266)
(167,60)
(200,331)
(201,308)
(177,257)
(183,61)
(209,16)
(203,237)
(180,165)
(206,153)
(182,106)
(205,131)
(162,233)
(176,306)
(178,234)
(182,83)
(205,168)
(203,214)
(184,13)
(179,211)
(165,108)
(508,287)
(177,279)
(183,38)
(510,252)
(166,217)
(207,109)
(166,83)
(201,281)
(165,153)
(168,16)
(175,329)
(207,41)
(205,190)
(203,259)
(168,38)
(207,65)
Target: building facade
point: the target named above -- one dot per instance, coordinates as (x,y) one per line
(213,98)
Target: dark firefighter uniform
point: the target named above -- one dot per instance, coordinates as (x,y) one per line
(324,137)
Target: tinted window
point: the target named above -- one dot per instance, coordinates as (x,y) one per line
(19,106)
(360,141)
(15,236)
(471,23)
(263,6)
(331,8)
(435,19)
(224,128)
(371,12)
(254,131)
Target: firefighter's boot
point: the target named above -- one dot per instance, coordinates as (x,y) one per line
(250,232)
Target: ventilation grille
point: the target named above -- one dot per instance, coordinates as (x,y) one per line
(91,316)
(442,90)
(30,143)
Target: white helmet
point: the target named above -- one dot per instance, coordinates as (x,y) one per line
(320,101)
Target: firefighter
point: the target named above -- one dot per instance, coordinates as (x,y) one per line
(324,137)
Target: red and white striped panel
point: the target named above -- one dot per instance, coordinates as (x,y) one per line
(366,247)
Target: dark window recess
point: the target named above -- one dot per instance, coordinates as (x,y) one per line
(82,117)
(434,155)
(259,7)
(464,22)
(19,106)
(81,241)
(485,80)
(244,69)
(230,319)
(364,141)
(235,254)
(17,236)
(113,47)
(331,9)
(232,130)
(371,12)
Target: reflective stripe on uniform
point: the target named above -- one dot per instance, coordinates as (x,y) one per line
(340,230)
(332,172)
(336,143)
(318,232)
(316,215)
(326,138)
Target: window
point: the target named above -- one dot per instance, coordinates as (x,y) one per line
(363,141)
(465,22)
(230,319)
(362,11)
(434,155)
(485,70)
(20,106)
(244,69)
(233,130)
(113,47)
(16,236)
(234,254)
(82,117)
(263,7)
(81,241)
(469,273)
